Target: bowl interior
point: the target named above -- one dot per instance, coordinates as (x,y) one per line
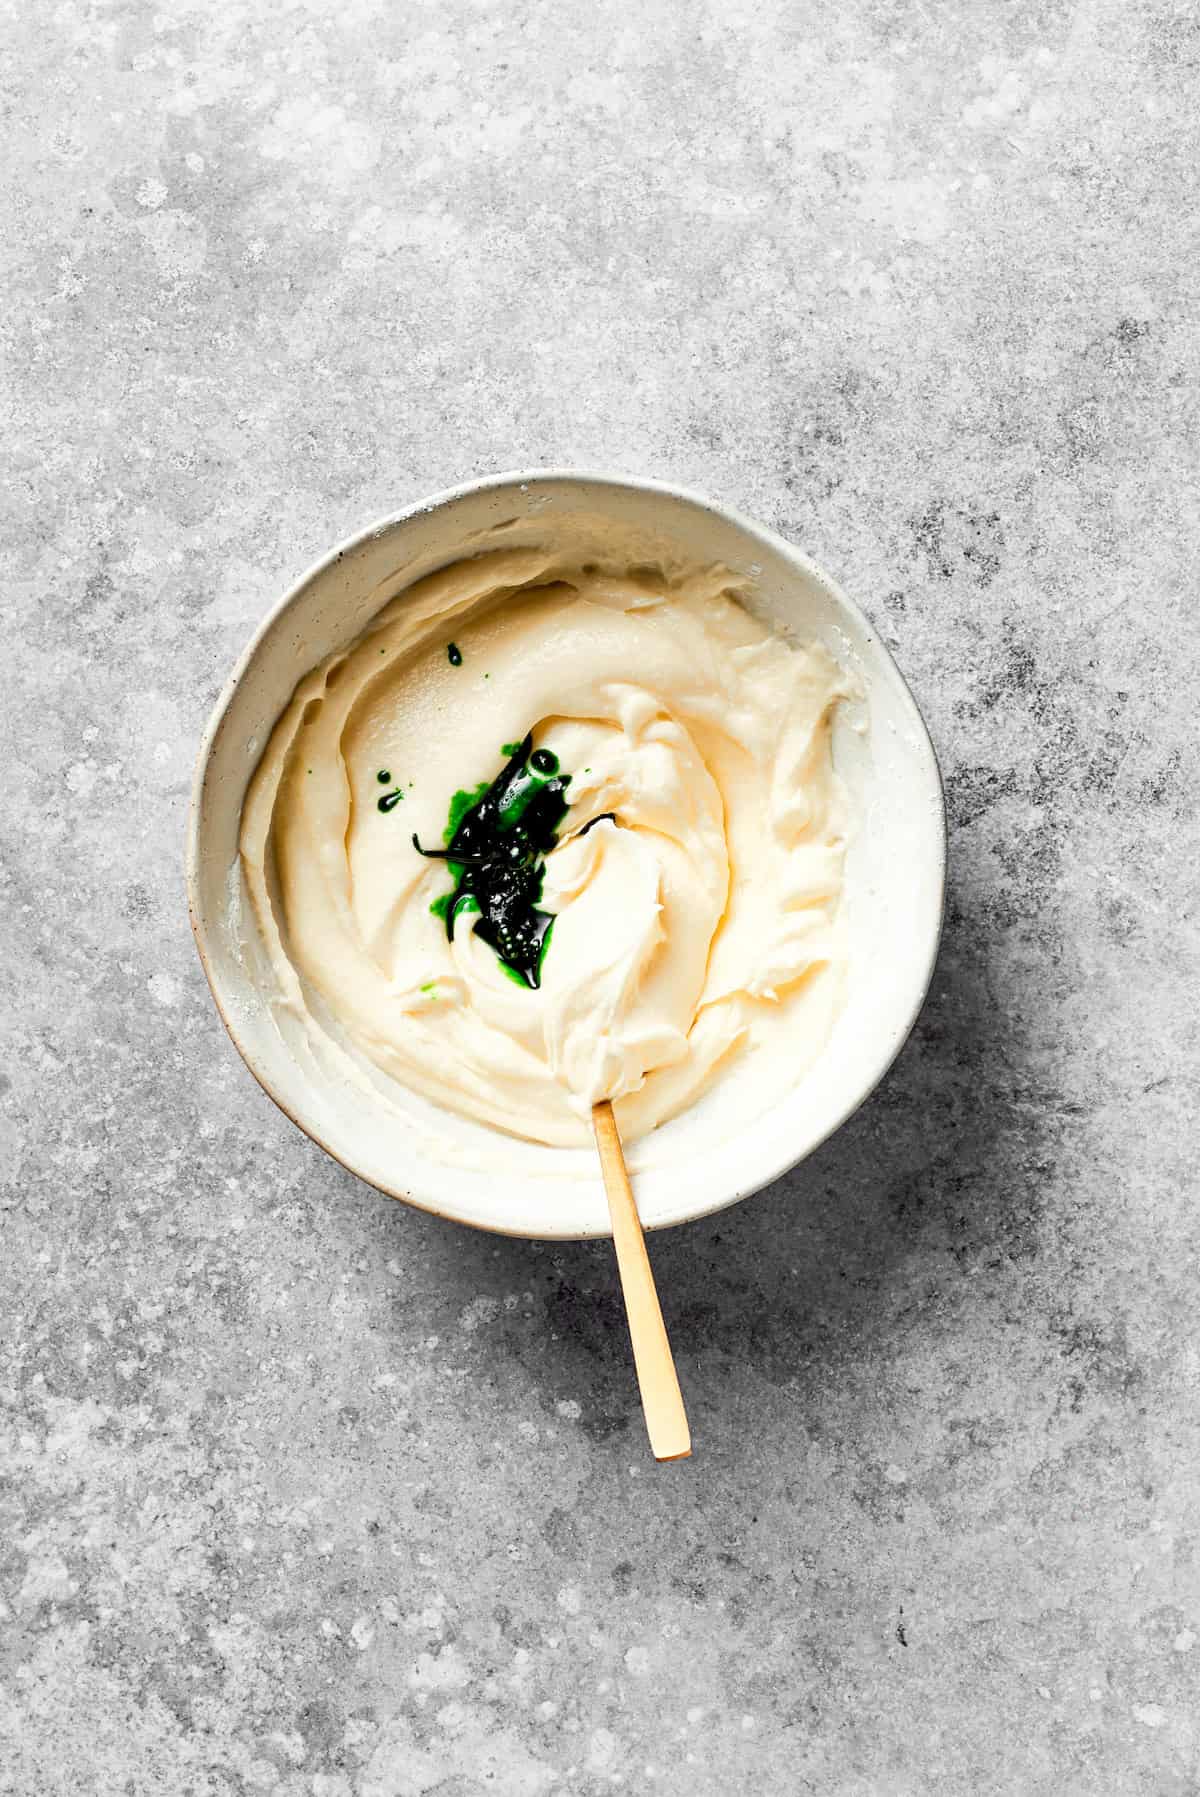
(700,1160)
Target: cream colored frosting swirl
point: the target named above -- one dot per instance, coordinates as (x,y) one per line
(700,924)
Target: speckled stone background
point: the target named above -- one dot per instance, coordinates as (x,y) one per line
(306,1494)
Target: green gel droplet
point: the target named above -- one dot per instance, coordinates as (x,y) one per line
(497,839)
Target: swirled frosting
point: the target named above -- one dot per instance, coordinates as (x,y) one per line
(695,921)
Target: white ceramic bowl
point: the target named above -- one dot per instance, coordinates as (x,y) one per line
(698,1162)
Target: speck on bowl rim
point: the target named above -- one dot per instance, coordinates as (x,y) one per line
(913,769)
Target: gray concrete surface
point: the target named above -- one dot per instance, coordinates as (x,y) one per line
(306,1494)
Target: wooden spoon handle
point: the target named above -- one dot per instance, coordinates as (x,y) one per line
(662,1402)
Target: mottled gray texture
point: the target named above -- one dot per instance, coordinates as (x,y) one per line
(307,1494)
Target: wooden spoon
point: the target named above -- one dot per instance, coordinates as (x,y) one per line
(662,1402)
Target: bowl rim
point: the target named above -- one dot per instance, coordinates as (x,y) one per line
(566,475)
